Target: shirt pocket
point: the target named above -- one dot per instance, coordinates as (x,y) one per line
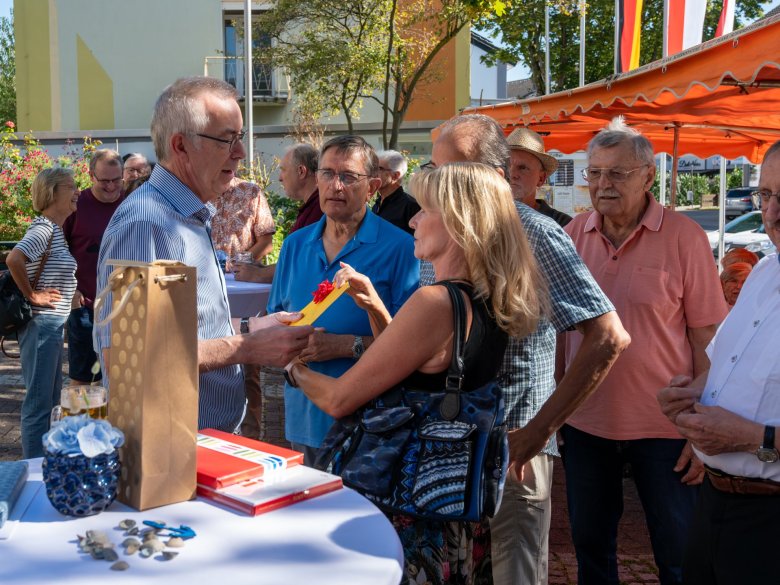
(651,288)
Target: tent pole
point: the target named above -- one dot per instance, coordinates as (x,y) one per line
(721,211)
(546,48)
(675,156)
(248,87)
(662,182)
(582,42)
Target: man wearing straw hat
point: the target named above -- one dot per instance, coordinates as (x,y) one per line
(529,167)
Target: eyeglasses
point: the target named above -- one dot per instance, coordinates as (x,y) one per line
(766,196)
(237,137)
(429,166)
(593,174)
(347,179)
(107,182)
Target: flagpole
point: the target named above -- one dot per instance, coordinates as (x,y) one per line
(582,43)
(665,44)
(546,48)
(617,36)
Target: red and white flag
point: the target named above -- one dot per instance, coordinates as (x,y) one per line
(726,21)
(683,24)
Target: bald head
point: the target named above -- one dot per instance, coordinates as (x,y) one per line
(472,138)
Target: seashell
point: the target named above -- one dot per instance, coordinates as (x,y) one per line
(127,523)
(109,554)
(120,566)
(132,548)
(145,552)
(97,553)
(175,542)
(150,536)
(169,555)
(132,531)
(98,536)
(130,540)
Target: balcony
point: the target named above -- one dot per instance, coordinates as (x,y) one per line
(269,85)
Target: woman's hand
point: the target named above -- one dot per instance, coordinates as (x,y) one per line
(360,288)
(45,298)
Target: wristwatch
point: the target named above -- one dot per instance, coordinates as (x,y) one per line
(244,324)
(357,347)
(766,452)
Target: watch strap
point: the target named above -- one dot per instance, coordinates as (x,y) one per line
(769,437)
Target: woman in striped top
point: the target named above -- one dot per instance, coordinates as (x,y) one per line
(54,195)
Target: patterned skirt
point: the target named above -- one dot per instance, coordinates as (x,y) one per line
(444,553)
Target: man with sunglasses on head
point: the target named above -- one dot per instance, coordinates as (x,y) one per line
(348,233)
(656,266)
(84,231)
(197,132)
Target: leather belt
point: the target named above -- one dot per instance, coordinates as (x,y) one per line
(735,484)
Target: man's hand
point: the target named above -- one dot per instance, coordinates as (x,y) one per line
(280,318)
(253,272)
(523,447)
(324,346)
(678,397)
(695,473)
(77,301)
(275,345)
(714,430)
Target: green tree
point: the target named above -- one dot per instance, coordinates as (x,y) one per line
(339,54)
(521,28)
(7,70)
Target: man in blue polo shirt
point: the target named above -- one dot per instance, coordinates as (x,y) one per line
(347,178)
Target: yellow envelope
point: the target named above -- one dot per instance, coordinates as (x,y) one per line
(312,311)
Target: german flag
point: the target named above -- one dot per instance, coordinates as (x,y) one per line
(629,23)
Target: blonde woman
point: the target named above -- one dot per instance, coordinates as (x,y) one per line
(55,196)
(469,230)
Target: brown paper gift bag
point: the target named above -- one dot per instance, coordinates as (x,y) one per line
(153,379)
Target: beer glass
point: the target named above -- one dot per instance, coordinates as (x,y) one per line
(89,400)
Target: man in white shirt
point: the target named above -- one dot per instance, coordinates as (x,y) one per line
(730,415)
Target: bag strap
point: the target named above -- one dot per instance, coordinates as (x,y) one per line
(450,404)
(44,259)
(2,347)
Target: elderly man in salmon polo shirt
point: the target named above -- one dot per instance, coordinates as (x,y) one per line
(656,266)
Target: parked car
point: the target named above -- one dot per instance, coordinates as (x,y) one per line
(744,223)
(755,240)
(739,201)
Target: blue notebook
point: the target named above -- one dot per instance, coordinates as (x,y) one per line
(13,475)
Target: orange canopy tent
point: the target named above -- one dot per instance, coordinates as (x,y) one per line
(720,97)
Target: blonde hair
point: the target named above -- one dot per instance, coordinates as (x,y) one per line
(479,214)
(44,184)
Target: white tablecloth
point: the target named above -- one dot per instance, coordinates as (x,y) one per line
(338,538)
(246,299)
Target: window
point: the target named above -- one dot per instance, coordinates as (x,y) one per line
(564,176)
(262,75)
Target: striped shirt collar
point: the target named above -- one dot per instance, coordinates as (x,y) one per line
(179,196)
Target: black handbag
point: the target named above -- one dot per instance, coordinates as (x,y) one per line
(15,309)
(439,456)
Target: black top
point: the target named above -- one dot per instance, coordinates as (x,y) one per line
(483,352)
(559,217)
(397,208)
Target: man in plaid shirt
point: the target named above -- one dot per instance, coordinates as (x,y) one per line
(535,407)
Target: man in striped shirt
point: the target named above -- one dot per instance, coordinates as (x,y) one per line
(196,130)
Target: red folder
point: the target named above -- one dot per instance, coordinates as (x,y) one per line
(260,495)
(224,459)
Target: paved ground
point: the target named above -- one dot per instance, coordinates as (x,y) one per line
(635,558)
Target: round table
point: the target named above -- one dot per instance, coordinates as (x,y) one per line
(246,299)
(339,538)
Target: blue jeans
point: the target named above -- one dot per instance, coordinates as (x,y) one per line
(594,488)
(40,345)
(81,353)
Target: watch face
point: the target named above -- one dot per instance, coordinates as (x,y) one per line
(767,455)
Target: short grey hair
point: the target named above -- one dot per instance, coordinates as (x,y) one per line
(481,140)
(304,154)
(111,157)
(351,143)
(394,160)
(179,109)
(45,183)
(617,132)
(138,155)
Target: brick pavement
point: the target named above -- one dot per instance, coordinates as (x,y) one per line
(636,566)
